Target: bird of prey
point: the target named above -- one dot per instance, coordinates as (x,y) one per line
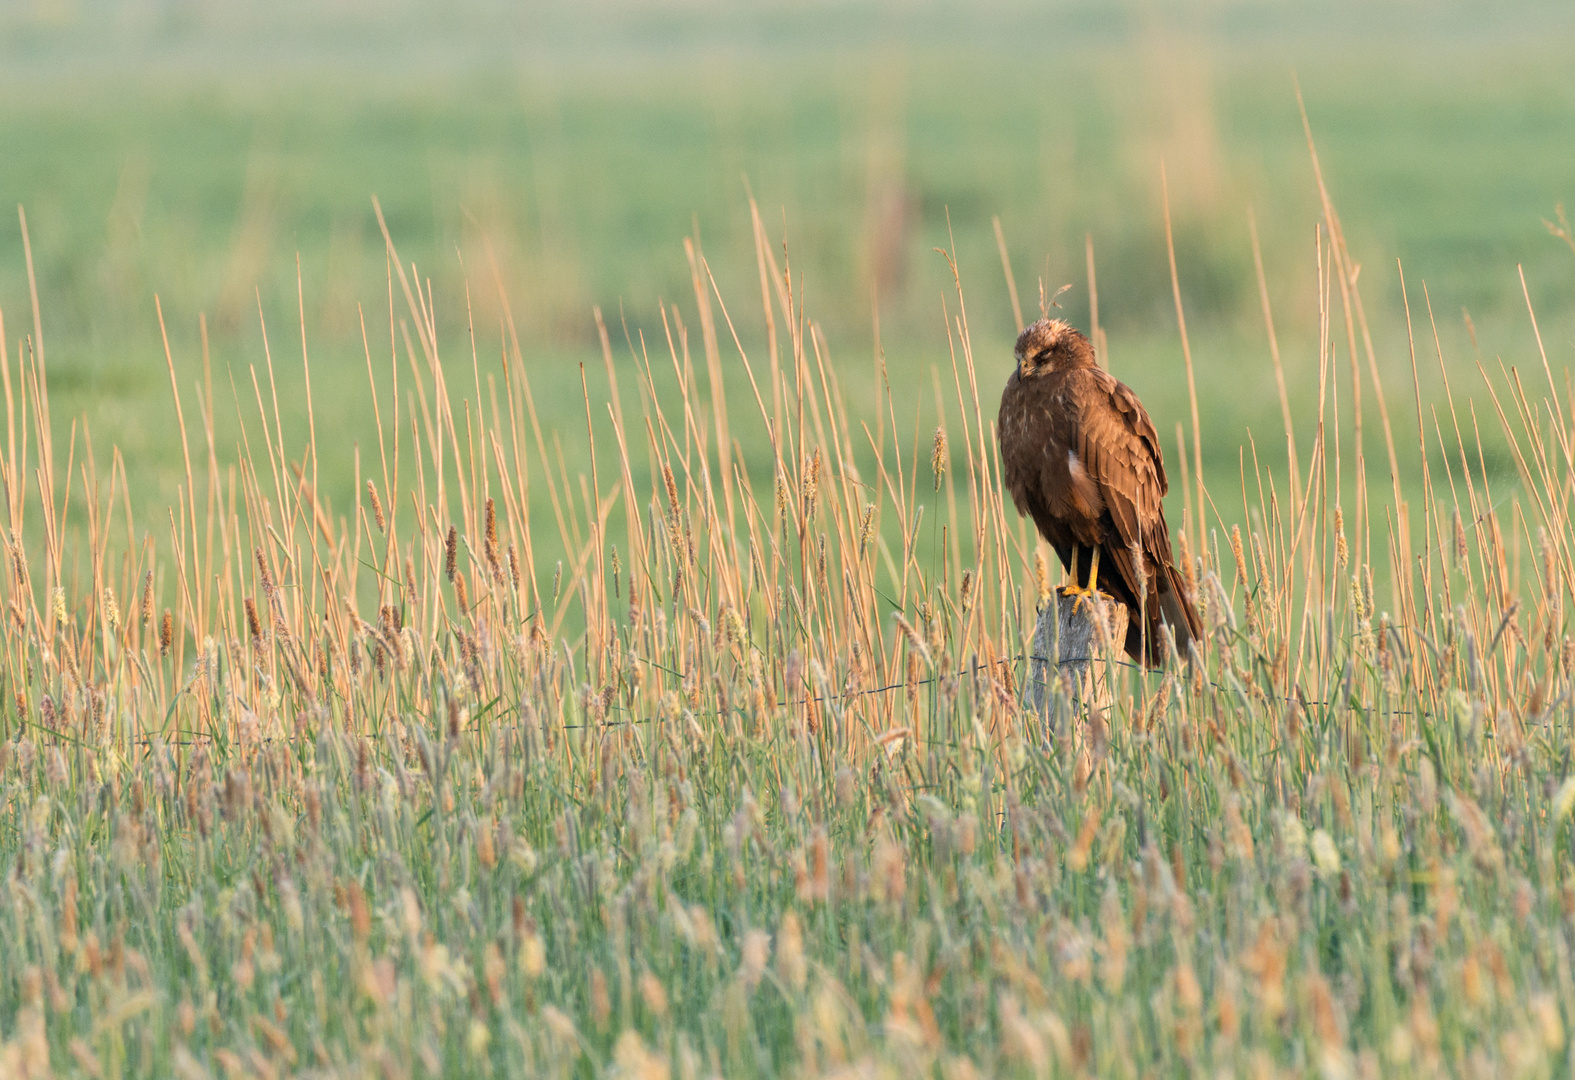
(1081,457)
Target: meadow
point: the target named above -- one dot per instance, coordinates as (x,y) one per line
(492,691)
(226,162)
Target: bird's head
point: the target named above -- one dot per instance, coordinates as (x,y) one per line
(1052,345)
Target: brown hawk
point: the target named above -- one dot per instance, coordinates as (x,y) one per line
(1081,457)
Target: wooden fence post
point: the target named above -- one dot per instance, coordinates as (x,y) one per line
(1072,653)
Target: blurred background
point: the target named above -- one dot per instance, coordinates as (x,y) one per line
(207,151)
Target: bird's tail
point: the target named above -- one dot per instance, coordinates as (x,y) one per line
(1177,610)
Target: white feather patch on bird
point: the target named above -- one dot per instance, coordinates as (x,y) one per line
(1074,466)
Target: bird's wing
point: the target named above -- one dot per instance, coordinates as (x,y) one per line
(1131,472)
(1119,449)
(1140,427)
(1009,433)
(1038,433)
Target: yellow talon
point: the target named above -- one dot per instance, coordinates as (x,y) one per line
(1079,593)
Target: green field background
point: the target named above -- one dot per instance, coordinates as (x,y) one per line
(202,153)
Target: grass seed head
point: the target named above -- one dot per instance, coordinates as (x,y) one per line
(68,913)
(561,1028)
(533,955)
(1117,939)
(791,965)
(703,930)
(1042,577)
(264,576)
(111,610)
(601,1002)
(810,491)
(1546,1012)
(377,508)
(253,627)
(846,786)
(1327,1022)
(753,955)
(1237,834)
(819,865)
(653,994)
(637,1061)
(784,499)
(671,486)
(486,848)
(939,456)
(1239,557)
(18,560)
(888,871)
(915,642)
(1226,1009)
(360,912)
(451,553)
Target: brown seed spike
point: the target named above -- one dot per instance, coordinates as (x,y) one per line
(672,489)
(810,489)
(866,528)
(360,913)
(166,632)
(492,529)
(147,598)
(784,498)
(377,508)
(462,594)
(263,576)
(451,553)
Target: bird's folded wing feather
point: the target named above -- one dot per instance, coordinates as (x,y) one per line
(1119,449)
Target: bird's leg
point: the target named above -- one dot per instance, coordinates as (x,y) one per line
(1078,591)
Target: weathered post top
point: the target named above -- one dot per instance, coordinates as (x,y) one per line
(1075,639)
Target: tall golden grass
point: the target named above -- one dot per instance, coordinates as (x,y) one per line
(746,734)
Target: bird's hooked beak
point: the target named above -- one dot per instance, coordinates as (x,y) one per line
(1025,366)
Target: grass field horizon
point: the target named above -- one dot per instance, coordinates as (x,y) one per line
(478,694)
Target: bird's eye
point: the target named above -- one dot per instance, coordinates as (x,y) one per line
(1042,356)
